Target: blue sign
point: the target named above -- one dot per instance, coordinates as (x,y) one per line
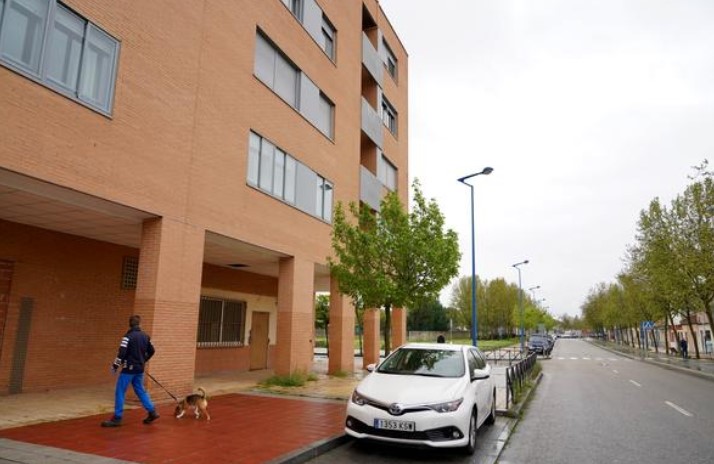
(648,325)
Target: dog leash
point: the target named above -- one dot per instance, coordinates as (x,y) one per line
(157,383)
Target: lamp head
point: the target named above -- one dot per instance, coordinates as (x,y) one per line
(486,171)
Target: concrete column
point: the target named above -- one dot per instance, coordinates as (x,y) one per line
(341,331)
(296,316)
(371,336)
(167,298)
(399,327)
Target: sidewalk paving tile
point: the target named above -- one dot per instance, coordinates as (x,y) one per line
(244,428)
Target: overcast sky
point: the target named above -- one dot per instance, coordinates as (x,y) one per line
(586,110)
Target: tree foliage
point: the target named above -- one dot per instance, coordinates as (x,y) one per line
(498,310)
(669,270)
(429,315)
(393,258)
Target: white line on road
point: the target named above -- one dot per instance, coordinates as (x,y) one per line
(679,409)
(635,383)
(573,358)
(615,371)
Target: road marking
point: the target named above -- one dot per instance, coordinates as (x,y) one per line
(679,409)
(586,359)
(635,383)
(573,358)
(560,358)
(615,371)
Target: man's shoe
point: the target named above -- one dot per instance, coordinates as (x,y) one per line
(113,422)
(153,415)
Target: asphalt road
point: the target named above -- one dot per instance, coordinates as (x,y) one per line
(596,407)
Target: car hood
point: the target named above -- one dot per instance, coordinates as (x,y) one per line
(411,389)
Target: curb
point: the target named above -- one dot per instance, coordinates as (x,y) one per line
(311,451)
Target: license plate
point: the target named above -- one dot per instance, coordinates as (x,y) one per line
(389,424)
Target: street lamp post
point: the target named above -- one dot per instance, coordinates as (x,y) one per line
(520,302)
(474,332)
(533,289)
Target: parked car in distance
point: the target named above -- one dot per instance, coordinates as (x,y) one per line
(540,344)
(425,394)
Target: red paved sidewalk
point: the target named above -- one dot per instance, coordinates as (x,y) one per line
(243,428)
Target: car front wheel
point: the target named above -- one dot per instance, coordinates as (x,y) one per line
(470,448)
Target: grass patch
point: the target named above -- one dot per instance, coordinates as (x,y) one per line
(296,379)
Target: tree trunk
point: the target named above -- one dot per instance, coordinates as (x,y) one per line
(361,330)
(694,334)
(666,336)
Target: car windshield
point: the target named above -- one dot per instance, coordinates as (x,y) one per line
(425,362)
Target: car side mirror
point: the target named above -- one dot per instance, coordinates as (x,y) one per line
(371,367)
(480,374)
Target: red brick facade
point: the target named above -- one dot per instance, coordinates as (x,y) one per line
(163,179)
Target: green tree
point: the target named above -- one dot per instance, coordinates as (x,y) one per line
(393,258)
(429,315)
(322,315)
(496,301)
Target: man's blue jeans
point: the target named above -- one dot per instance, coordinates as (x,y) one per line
(137,383)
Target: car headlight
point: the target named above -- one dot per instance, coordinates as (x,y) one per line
(449,406)
(358,399)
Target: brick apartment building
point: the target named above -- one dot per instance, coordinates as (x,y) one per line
(181,160)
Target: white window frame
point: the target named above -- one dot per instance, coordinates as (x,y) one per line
(329,36)
(387,173)
(389,116)
(390,61)
(40,74)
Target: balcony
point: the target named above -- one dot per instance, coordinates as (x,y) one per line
(371,60)
(370,189)
(372,123)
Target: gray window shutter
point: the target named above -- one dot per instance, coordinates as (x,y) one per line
(264,61)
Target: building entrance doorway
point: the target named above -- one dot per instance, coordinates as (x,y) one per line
(259,340)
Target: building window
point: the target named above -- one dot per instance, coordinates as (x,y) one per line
(328,37)
(66,49)
(276,71)
(324,199)
(221,322)
(387,173)
(390,61)
(389,116)
(129,272)
(296,8)
(76,58)
(275,172)
(325,116)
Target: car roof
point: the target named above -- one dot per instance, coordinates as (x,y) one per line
(436,346)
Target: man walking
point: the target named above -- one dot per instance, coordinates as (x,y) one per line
(684,348)
(134,351)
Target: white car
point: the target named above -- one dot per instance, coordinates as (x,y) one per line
(425,394)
